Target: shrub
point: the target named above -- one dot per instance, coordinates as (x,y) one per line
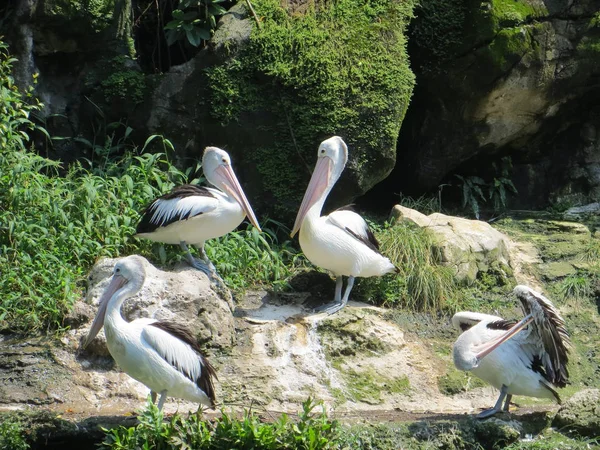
(311,431)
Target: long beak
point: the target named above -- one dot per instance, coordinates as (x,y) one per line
(318,183)
(233,188)
(116,283)
(490,346)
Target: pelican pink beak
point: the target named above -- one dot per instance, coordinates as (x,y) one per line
(317,186)
(116,283)
(233,188)
(485,349)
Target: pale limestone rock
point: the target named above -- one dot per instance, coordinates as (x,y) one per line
(470,246)
(184,296)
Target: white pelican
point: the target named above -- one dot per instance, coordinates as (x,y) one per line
(162,355)
(340,242)
(532,363)
(190,215)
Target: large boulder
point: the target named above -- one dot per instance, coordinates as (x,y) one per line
(271,94)
(503,78)
(469,246)
(184,295)
(580,414)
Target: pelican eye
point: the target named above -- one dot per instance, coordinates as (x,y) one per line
(224,160)
(322,151)
(118,270)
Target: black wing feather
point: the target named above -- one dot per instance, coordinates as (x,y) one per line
(370,241)
(208,373)
(146,225)
(504,325)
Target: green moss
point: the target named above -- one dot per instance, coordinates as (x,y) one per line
(340,68)
(117,79)
(508,47)
(368,384)
(515,12)
(83,14)
(455,381)
(348,336)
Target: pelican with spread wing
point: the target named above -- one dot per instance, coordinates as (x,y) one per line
(162,355)
(528,357)
(341,241)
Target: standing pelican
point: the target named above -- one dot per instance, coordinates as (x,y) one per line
(190,215)
(340,242)
(162,355)
(532,363)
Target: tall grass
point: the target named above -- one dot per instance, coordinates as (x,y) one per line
(247,258)
(422,282)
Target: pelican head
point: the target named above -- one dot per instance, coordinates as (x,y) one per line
(128,271)
(218,171)
(331,160)
(464,320)
(473,345)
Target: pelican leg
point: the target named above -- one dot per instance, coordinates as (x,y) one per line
(338,303)
(195,263)
(497,407)
(507,402)
(153,396)
(161,402)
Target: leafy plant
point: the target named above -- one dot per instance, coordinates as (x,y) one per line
(472,192)
(194,20)
(475,190)
(502,184)
(311,432)
(11,435)
(16,107)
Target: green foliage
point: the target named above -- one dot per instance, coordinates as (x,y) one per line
(247,258)
(502,183)
(422,283)
(194,20)
(54,228)
(338,68)
(11,435)
(117,79)
(311,431)
(15,107)
(472,192)
(475,190)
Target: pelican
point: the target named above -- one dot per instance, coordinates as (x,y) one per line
(340,242)
(162,355)
(524,358)
(190,215)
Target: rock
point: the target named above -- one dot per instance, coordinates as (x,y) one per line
(500,78)
(581,212)
(470,246)
(580,414)
(254,93)
(184,295)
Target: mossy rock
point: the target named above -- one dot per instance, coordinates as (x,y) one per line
(332,68)
(455,381)
(580,414)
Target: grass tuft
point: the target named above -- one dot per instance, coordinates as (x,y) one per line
(422,283)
